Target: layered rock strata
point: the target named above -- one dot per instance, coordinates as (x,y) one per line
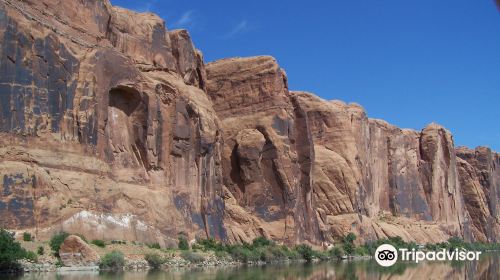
(105,127)
(113,127)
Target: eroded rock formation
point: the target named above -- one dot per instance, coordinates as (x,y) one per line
(75,252)
(113,127)
(265,159)
(479,172)
(373,178)
(106,129)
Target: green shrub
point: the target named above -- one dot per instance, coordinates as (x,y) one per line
(56,241)
(291,254)
(40,250)
(265,254)
(120,242)
(243,254)
(59,263)
(348,242)
(361,251)
(370,247)
(220,254)
(27,236)
(154,245)
(98,243)
(209,244)
(456,243)
(397,242)
(183,243)
(154,260)
(261,242)
(305,251)
(278,252)
(336,252)
(412,245)
(322,255)
(267,251)
(192,257)
(113,261)
(10,252)
(431,247)
(32,256)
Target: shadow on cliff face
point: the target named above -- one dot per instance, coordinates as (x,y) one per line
(127,126)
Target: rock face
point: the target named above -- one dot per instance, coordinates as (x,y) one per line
(372,178)
(75,252)
(105,127)
(480,178)
(113,127)
(265,160)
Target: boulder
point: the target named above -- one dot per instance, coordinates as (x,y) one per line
(75,252)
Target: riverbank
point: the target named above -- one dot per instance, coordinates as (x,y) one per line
(132,256)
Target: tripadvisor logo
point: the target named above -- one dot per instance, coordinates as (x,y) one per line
(387,255)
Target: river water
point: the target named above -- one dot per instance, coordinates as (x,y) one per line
(488,267)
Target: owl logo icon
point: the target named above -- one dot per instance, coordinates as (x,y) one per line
(386,255)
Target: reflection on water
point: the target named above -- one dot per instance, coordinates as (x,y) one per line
(486,268)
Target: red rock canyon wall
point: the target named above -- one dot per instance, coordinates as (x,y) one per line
(114,127)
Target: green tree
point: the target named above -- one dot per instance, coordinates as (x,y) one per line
(10,251)
(349,243)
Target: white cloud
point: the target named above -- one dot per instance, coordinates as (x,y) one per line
(241,27)
(185,20)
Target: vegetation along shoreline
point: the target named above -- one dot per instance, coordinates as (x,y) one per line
(30,255)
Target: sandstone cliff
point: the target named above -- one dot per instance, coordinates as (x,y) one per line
(106,129)
(479,172)
(378,180)
(113,127)
(266,159)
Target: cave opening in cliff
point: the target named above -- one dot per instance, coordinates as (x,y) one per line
(127,126)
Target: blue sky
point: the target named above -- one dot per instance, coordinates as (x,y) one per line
(408,62)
